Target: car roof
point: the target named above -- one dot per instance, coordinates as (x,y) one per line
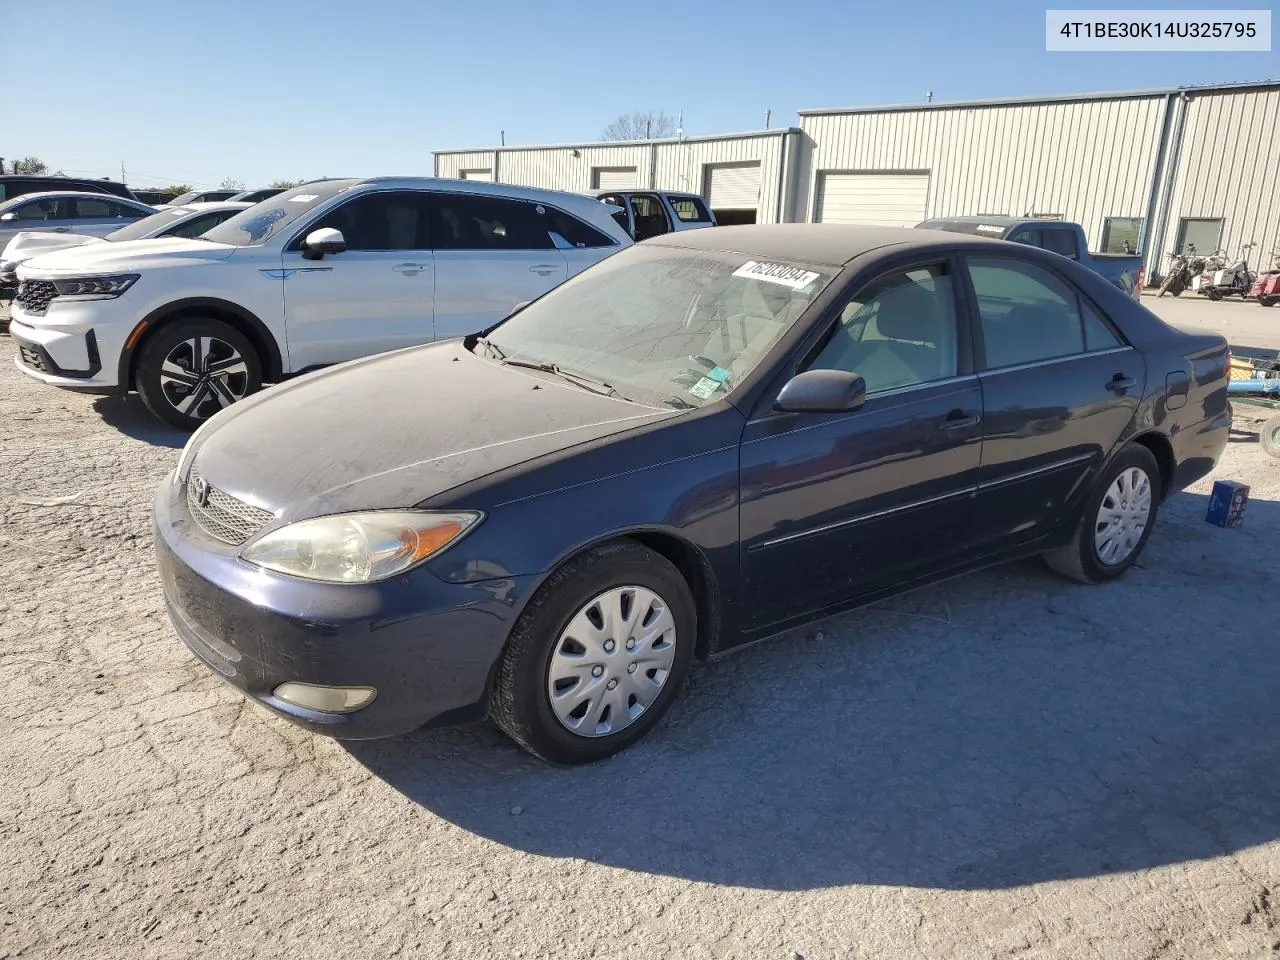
(818,243)
(481,187)
(665,193)
(64,194)
(200,205)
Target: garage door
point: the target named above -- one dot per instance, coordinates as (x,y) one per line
(615,178)
(733,186)
(876,199)
(477,175)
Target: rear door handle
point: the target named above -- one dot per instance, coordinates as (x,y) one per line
(959,420)
(409,269)
(544,269)
(1120,382)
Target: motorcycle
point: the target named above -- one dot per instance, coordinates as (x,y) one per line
(1228,281)
(1266,288)
(1182,269)
(1202,280)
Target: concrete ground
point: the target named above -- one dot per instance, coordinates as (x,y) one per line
(1007,765)
(1245,323)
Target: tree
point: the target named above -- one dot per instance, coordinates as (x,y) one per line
(641,125)
(176,190)
(285,184)
(231,184)
(31,166)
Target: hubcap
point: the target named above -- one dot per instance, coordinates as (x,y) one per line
(1122,516)
(611,661)
(201,375)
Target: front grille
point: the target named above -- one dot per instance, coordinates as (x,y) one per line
(31,357)
(34,296)
(221,515)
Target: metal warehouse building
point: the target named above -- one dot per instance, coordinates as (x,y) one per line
(1146,170)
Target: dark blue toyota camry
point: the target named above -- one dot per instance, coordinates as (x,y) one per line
(699,442)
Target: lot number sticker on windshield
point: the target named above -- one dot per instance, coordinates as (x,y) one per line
(704,388)
(792,277)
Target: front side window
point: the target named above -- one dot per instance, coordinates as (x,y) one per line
(1028,236)
(898,331)
(394,220)
(44,210)
(263,221)
(649,217)
(472,222)
(1029,315)
(665,326)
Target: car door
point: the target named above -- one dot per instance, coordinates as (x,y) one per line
(375,296)
(837,506)
(623,215)
(491,253)
(649,216)
(1059,387)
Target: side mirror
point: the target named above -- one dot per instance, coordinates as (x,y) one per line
(6,217)
(322,241)
(823,391)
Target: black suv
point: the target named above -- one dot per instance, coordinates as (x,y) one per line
(15,185)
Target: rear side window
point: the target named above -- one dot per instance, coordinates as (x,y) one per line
(690,210)
(103,209)
(1029,315)
(462,222)
(1062,242)
(569,232)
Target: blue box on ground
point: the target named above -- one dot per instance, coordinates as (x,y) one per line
(1226,503)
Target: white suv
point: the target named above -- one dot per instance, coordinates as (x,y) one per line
(327,272)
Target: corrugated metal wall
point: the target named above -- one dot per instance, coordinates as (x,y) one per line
(662,165)
(1229,168)
(1086,160)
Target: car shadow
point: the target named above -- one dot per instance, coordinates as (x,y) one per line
(130,416)
(1001,729)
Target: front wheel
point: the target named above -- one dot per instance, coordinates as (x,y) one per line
(598,657)
(1117,520)
(190,369)
(1213,295)
(1269,301)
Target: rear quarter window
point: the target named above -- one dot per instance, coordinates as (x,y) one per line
(690,210)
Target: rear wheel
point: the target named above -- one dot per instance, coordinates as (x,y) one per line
(598,656)
(1269,301)
(1117,520)
(191,369)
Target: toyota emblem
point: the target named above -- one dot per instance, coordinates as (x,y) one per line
(200,490)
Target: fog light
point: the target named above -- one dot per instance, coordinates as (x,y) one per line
(325,699)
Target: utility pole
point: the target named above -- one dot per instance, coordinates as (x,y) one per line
(502,137)
(648,129)
(768,115)
(122,179)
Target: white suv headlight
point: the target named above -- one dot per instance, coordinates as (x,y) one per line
(358,547)
(95,288)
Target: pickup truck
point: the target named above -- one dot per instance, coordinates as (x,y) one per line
(1059,236)
(651,213)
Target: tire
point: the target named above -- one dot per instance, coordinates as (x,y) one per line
(540,655)
(1081,559)
(1269,436)
(1269,301)
(1214,295)
(219,343)
(1168,286)
(1178,292)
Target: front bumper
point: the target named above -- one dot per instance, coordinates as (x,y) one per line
(427,647)
(75,344)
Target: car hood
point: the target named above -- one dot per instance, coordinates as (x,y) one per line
(33,243)
(397,429)
(124,255)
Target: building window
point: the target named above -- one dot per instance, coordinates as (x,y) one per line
(1205,233)
(1120,234)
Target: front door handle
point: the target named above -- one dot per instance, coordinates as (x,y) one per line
(1120,382)
(61,229)
(959,420)
(409,269)
(544,269)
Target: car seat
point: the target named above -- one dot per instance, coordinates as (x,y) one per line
(915,341)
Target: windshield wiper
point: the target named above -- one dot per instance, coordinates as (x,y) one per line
(680,403)
(493,347)
(577,379)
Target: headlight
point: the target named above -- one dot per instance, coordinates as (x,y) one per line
(358,547)
(97,288)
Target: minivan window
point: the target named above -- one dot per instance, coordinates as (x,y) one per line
(259,223)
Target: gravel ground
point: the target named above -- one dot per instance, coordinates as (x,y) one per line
(1007,765)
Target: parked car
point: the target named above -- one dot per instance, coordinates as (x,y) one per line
(154,198)
(1059,236)
(201,196)
(651,213)
(320,274)
(189,221)
(705,439)
(257,196)
(16,184)
(66,211)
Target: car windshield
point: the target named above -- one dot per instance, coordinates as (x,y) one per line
(661,325)
(259,223)
(143,227)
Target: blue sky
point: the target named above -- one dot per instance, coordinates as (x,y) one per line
(196,91)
